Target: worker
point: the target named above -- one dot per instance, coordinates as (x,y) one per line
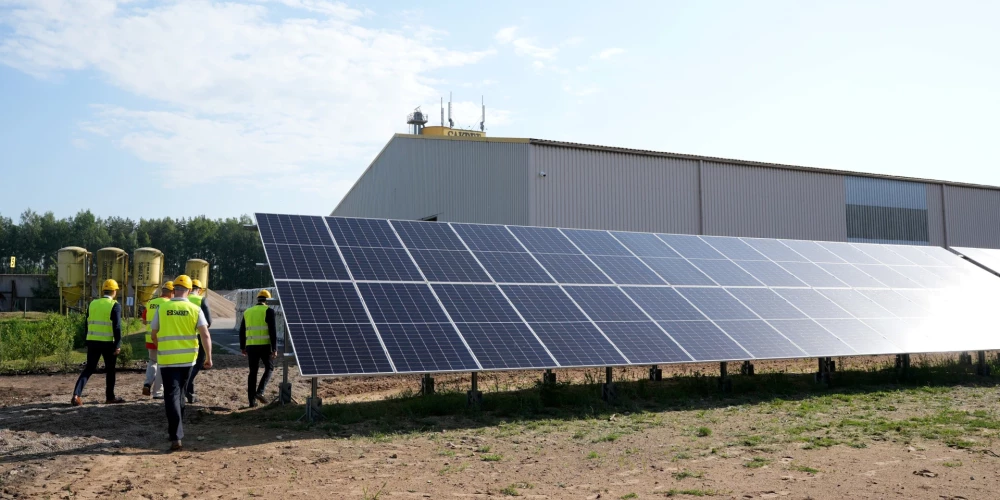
(197,298)
(177,326)
(153,385)
(104,340)
(259,342)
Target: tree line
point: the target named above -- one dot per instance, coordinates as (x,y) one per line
(232,251)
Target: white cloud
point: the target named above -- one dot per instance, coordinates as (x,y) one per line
(524,46)
(609,53)
(236,92)
(580,91)
(79,143)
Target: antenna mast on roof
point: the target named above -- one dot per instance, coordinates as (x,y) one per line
(442,111)
(482,122)
(451,124)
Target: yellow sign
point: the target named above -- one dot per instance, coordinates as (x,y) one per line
(12,261)
(451,132)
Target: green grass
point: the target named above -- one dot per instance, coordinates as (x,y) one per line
(684,474)
(510,491)
(694,493)
(608,438)
(492,457)
(956,463)
(593,455)
(483,449)
(804,468)
(628,496)
(703,432)
(756,463)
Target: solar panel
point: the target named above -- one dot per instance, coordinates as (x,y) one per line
(377,296)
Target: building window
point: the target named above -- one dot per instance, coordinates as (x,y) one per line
(886,211)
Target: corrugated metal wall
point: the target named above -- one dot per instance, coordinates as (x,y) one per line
(772,203)
(973,217)
(605,190)
(886,210)
(935,215)
(459,181)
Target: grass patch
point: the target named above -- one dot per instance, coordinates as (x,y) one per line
(492,457)
(804,468)
(956,463)
(483,449)
(703,432)
(628,496)
(694,493)
(608,438)
(593,455)
(756,463)
(510,491)
(684,474)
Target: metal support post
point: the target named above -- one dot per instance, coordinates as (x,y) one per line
(427,385)
(655,373)
(313,404)
(903,364)
(982,369)
(285,388)
(549,377)
(746,368)
(608,392)
(965,359)
(474,398)
(725,383)
(825,370)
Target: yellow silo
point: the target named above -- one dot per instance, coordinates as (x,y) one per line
(197,269)
(112,263)
(72,276)
(147,273)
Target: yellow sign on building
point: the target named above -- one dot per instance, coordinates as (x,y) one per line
(451,132)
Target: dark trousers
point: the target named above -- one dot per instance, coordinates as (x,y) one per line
(197,368)
(95,351)
(256,354)
(175,382)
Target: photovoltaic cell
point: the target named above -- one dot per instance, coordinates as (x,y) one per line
(769,273)
(859,336)
(856,304)
(338,349)
(571,268)
(921,276)
(292,229)
(643,342)
(882,254)
(691,247)
(488,238)
(887,276)
(509,267)
(311,262)
(646,245)
(775,250)
(663,303)
(812,251)
(543,240)
(500,346)
(766,303)
(716,303)
(577,344)
(627,270)
(320,302)
(704,341)
(363,232)
(380,264)
(427,236)
(725,272)
(543,303)
(916,255)
(678,271)
(604,303)
(425,347)
(760,339)
(401,303)
(733,248)
(847,252)
(812,338)
(811,274)
(812,303)
(596,242)
(894,302)
(852,276)
(476,304)
(449,265)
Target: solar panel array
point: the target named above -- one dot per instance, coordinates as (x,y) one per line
(986,257)
(377,296)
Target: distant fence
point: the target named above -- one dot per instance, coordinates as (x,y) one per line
(247,298)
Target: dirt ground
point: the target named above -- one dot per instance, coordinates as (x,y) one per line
(850,445)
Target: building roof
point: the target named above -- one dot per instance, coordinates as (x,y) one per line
(682,156)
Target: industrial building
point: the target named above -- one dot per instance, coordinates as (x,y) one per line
(434,175)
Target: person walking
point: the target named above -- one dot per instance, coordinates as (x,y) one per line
(259,341)
(177,327)
(104,340)
(153,385)
(197,298)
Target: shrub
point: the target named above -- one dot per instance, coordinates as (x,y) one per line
(32,340)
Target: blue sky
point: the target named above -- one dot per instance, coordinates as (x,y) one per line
(199,107)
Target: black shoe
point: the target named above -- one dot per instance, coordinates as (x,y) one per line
(261,398)
(191,398)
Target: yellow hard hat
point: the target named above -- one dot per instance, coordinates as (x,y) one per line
(110,285)
(196,283)
(264,293)
(169,286)
(183,281)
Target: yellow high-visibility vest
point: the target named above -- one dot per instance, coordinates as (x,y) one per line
(177,338)
(195,299)
(99,320)
(151,307)
(256,323)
